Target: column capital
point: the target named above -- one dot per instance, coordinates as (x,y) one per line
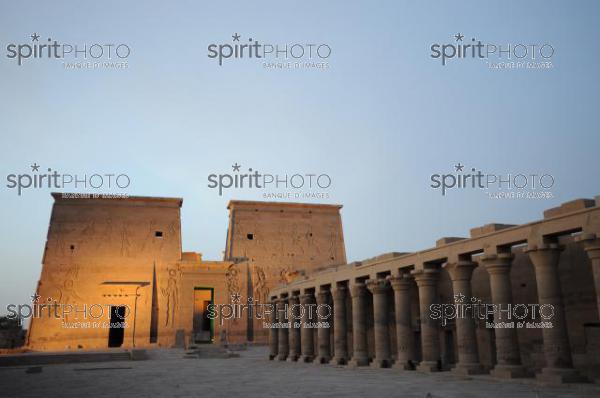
(544,255)
(322,296)
(426,277)
(591,244)
(378,286)
(307,298)
(401,282)
(358,289)
(339,292)
(499,263)
(460,270)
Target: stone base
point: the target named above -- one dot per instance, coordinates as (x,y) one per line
(339,361)
(356,362)
(508,371)
(307,358)
(292,358)
(428,366)
(281,357)
(322,360)
(381,363)
(560,376)
(468,369)
(404,365)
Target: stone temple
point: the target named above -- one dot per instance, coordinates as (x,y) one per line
(108,256)
(537,283)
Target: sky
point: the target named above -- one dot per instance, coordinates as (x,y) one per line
(380,120)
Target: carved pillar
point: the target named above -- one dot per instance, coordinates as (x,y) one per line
(430,341)
(307,334)
(284,347)
(405,358)
(273,332)
(358,292)
(557,349)
(323,333)
(508,354)
(591,243)
(340,330)
(380,288)
(294,333)
(468,355)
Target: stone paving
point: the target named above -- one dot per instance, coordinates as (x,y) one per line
(252,375)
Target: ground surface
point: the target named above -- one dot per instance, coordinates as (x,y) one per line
(252,375)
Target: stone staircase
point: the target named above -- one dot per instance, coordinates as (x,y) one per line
(208,351)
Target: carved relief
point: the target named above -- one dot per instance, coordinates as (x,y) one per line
(171,294)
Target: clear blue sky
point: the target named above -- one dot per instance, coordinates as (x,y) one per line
(380,120)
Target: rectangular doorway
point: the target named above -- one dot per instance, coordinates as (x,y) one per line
(203,326)
(116,332)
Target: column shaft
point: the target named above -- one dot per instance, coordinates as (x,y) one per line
(468,354)
(284,347)
(380,288)
(294,333)
(360,357)
(323,333)
(340,327)
(430,342)
(273,332)
(307,334)
(405,358)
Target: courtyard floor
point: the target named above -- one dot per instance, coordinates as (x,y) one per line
(252,375)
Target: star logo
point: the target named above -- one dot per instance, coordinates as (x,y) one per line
(35,167)
(236,37)
(35,298)
(236,167)
(236,297)
(459,298)
(35,37)
(459,167)
(459,37)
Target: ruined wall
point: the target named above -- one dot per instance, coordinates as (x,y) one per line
(103,252)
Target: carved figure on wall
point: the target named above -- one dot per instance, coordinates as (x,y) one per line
(171,293)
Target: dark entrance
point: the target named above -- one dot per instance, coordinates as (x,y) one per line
(203,325)
(116,333)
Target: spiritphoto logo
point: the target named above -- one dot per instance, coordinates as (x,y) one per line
(528,316)
(298,185)
(72,316)
(287,316)
(520,185)
(53,179)
(272,56)
(498,56)
(99,55)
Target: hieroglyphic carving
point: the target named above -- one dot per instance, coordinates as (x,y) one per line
(125,243)
(171,293)
(261,289)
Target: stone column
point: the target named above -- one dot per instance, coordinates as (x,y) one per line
(380,288)
(340,328)
(307,334)
(273,332)
(323,333)
(358,292)
(430,340)
(284,347)
(557,349)
(405,358)
(591,243)
(294,337)
(508,355)
(468,355)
